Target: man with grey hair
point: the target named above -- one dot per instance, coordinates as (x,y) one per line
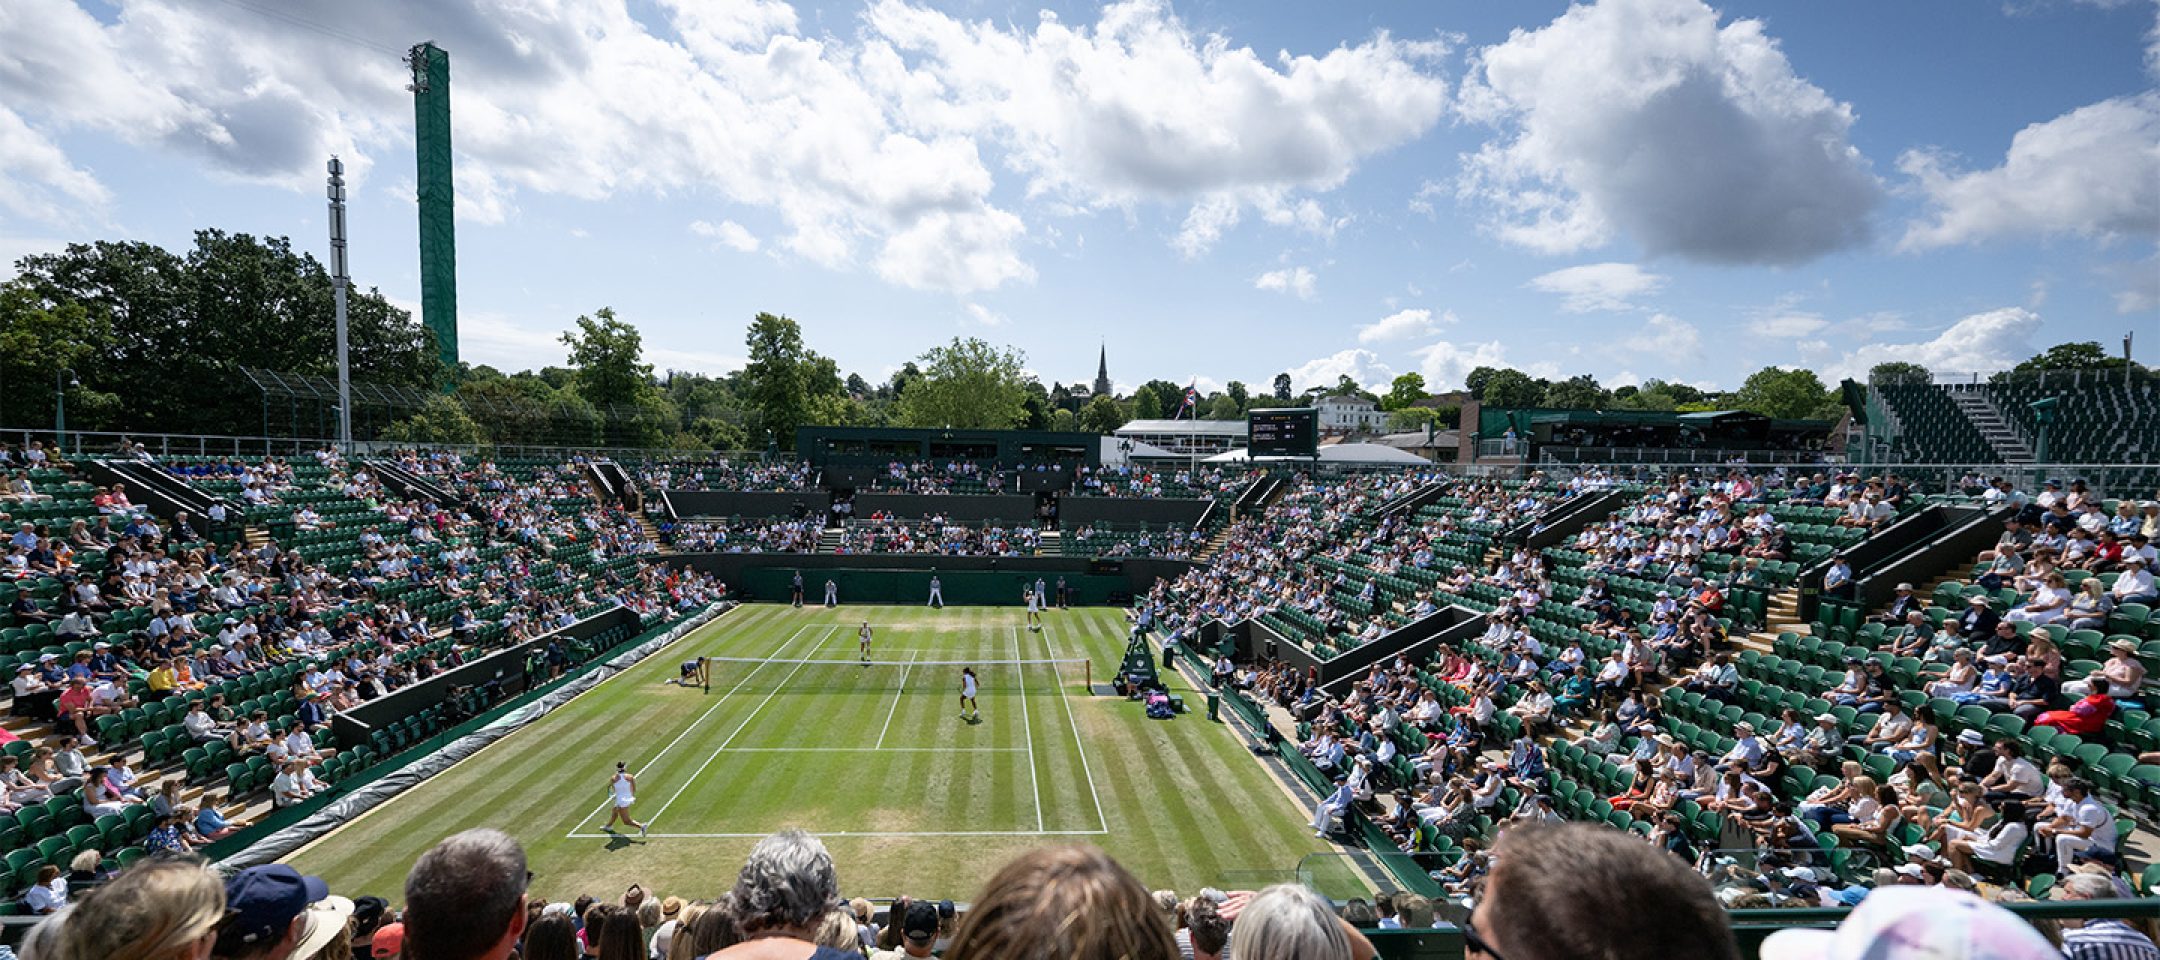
(465,899)
(2101,939)
(786,888)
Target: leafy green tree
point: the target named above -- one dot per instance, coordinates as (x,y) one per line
(37,340)
(2083,355)
(1146,404)
(1065,421)
(441,419)
(1407,419)
(1509,388)
(1406,389)
(1475,380)
(1580,392)
(1899,372)
(968,383)
(1102,415)
(1238,395)
(785,384)
(1224,407)
(1282,387)
(1786,394)
(608,357)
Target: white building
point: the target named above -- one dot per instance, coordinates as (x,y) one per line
(1348,414)
(1185,437)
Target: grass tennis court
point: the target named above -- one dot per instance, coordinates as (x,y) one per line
(874,759)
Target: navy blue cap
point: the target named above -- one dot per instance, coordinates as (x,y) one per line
(265,900)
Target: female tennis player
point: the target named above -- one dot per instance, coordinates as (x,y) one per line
(968,710)
(622,792)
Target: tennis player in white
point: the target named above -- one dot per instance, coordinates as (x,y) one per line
(862,641)
(622,792)
(1034,605)
(968,710)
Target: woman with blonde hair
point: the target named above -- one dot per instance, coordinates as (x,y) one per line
(1064,903)
(160,910)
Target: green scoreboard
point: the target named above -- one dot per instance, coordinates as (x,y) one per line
(1282,432)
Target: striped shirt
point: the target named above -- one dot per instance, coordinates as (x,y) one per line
(2108,940)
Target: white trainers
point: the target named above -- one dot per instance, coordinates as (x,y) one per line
(641,832)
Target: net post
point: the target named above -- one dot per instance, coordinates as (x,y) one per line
(1088,677)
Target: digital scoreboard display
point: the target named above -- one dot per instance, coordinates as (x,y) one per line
(1283,432)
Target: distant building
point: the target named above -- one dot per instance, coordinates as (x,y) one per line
(1102,374)
(1348,414)
(1186,437)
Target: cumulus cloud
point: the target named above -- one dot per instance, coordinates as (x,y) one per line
(2094,171)
(728,233)
(875,148)
(1599,286)
(985,316)
(1980,343)
(1403,325)
(1444,363)
(1363,366)
(1647,118)
(1667,336)
(1299,282)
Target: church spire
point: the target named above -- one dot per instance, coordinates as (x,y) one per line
(1102,373)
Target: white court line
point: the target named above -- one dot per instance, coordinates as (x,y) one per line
(647,765)
(879,750)
(1028,727)
(1066,699)
(693,725)
(694,774)
(895,702)
(829,834)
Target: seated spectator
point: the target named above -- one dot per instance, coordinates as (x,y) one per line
(1068,903)
(2101,939)
(465,898)
(786,887)
(2123,671)
(1289,922)
(2089,715)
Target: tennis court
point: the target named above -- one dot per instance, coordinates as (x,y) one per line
(795,731)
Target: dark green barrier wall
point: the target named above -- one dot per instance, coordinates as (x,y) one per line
(960,587)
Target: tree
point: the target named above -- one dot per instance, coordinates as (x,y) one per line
(1404,391)
(1102,415)
(1236,391)
(1475,380)
(968,383)
(1786,394)
(1146,403)
(1407,419)
(37,340)
(1064,420)
(1509,388)
(1898,372)
(608,357)
(441,419)
(1580,392)
(1282,386)
(1224,407)
(2085,355)
(785,383)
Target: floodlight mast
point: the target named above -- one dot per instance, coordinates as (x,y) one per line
(340,279)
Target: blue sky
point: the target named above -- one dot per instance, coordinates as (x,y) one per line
(1215,190)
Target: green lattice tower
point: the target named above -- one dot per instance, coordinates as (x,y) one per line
(438,206)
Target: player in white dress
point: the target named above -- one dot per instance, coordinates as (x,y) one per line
(622,792)
(862,641)
(1034,605)
(968,710)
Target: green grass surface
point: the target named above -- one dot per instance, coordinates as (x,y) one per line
(875,760)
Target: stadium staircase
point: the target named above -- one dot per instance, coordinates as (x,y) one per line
(1051,543)
(2001,433)
(830,539)
(397,479)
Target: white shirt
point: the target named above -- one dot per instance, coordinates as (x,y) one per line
(42,898)
(2090,812)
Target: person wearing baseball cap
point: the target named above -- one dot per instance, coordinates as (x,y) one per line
(268,911)
(388,942)
(918,932)
(1915,923)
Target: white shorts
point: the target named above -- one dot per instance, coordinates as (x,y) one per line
(624,803)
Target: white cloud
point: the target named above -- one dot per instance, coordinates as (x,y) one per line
(495,339)
(1980,343)
(37,182)
(1787,324)
(1599,286)
(868,146)
(1296,281)
(1667,336)
(1139,107)
(986,316)
(1445,363)
(1647,118)
(2094,171)
(728,233)
(1403,325)
(1363,366)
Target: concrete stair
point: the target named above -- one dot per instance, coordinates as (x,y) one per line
(2000,432)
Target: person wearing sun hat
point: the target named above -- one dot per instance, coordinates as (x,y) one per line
(324,923)
(1915,923)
